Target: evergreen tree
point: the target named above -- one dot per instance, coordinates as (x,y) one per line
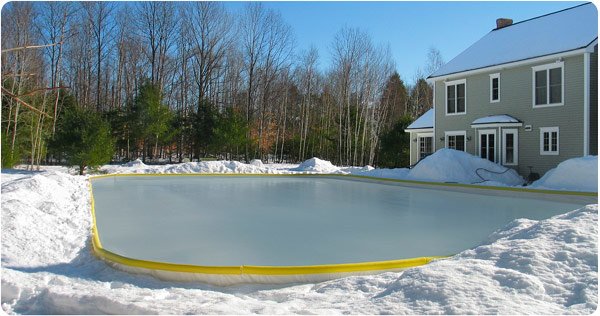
(395,145)
(203,126)
(82,136)
(9,157)
(395,97)
(230,132)
(151,118)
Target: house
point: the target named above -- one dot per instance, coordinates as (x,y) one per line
(524,96)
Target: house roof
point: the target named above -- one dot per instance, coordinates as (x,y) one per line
(495,119)
(557,32)
(424,121)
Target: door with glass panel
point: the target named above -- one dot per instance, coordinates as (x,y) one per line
(425,145)
(510,147)
(487,144)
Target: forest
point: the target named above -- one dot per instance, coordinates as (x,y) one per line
(87,83)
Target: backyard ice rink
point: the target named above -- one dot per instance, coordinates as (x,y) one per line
(544,267)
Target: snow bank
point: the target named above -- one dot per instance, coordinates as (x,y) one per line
(449,165)
(537,267)
(48,211)
(577,174)
(317,165)
(445,165)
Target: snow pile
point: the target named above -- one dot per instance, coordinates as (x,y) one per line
(188,167)
(257,163)
(48,211)
(449,165)
(317,165)
(137,164)
(538,267)
(576,174)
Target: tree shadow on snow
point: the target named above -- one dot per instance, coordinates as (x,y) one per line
(87,266)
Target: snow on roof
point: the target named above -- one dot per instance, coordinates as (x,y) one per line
(424,121)
(502,118)
(553,33)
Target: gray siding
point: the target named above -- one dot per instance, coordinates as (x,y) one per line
(516,100)
(594,102)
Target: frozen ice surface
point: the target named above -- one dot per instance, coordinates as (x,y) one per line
(225,221)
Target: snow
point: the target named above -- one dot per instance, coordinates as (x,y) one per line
(424,121)
(550,34)
(449,165)
(528,267)
(317,165)
(577,174)
(503,118)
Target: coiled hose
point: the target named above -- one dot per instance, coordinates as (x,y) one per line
(490,171)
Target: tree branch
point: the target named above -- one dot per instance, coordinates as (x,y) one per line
(29,46)
(23,102)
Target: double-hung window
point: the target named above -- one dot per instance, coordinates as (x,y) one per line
(549,140)
(494,88)
(456,140)
(456,101)
(548,85)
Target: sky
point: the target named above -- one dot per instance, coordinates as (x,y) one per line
(410,28)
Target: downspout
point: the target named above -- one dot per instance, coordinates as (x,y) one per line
(434,115)
(586,103)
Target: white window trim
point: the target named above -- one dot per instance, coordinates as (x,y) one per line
(515,132)
(454,83)
(419,135)
(547,67)
(488,131)
(492,77)
(549,130)
(455,133)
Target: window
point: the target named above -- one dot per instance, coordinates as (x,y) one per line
(510,145)
(425,145)
(548,85)
(455,97)
(494,88)
(456,140)
(549,141)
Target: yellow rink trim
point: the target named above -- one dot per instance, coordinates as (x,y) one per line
(284,270)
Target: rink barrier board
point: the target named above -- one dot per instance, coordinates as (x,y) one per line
(227,275)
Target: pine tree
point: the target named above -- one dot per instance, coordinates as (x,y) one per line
(395,145)
(82,136)
(151,118)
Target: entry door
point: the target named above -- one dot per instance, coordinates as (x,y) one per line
(425,145)
(487,144)
(510,147)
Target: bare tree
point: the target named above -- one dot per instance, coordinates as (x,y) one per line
(99,17)
(156,29)
(209,31)
(434,60)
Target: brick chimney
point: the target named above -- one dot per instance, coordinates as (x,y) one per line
(502,22)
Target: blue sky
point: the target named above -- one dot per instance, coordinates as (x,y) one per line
(410,28)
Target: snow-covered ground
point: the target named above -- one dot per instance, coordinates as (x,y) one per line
(540,267)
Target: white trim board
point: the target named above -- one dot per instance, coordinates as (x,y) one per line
(493,125)
(419,130)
